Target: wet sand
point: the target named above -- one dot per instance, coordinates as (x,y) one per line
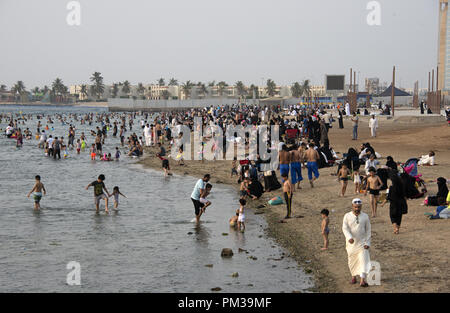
(413,261)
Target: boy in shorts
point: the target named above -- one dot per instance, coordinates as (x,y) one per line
(343,178)
(373,185)
(99,195)
(37,189)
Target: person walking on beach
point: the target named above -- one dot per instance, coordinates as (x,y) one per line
(288,191)
(38,188)
(99,195)
(199,190)
(343,175)
(285,159)
(397,200)
(354,120)
(373,125)
(296,167)
(312,156)
(325,229)
(357,231)
(373,185)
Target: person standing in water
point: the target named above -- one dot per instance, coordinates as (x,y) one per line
(99,195)
(38,188)
(199,190)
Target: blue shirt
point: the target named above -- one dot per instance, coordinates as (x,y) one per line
(196,193)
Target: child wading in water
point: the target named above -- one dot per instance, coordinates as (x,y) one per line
(116,193)
(37,189)
(234,219)
(203,197)
(325,229)
(241,217)
(343,178)
(99,186)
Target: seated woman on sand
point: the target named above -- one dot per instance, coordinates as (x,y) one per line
(427,160)
(442,193)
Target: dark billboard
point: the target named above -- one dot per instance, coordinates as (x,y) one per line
(335,82)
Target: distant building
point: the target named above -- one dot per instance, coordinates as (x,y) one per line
(373,86)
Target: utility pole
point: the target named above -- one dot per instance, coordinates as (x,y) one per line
(393,91)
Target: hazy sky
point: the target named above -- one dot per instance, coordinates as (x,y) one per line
(205,40)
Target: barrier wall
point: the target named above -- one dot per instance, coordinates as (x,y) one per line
(117,104)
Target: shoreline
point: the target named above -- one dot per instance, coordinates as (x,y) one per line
(322,281)
(410,261)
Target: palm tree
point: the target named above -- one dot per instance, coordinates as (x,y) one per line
(58,88)
(126,87)
(45,90)
(240,88)
(115,90)
(271,88)
(18,87)
(221,87)
(254,91)
(212,84)
(2,88)
(186,88)
(203,90)
(84,91)
(306,88)
(99,87)
(165,94)
(296,90)
(141,89)
(161,82)
(173,82)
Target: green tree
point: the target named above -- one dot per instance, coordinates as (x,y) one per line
(115,90)
(221,87)
(296,90)
(141,89)
(240,88)
(126,87)
(203,90)
(271,88)
(254,90)
(99,87)
(173,82)
(165,94)
(186,88)
(84,91)
(18,88)
(161,82)
(2,88)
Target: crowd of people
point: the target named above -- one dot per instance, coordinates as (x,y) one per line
(302,145)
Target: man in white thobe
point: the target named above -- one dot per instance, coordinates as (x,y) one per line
(357,232)
(373,125)
(147,135)
(347,109)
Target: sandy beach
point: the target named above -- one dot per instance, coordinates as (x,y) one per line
(413,261)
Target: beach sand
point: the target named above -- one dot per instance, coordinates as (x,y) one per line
(416,260)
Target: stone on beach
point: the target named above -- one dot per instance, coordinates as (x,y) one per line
(226,253)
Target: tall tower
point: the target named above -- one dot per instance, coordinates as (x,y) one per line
(444,48)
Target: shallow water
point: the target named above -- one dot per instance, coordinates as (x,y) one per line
(144,247)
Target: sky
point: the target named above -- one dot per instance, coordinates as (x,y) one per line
(206,40)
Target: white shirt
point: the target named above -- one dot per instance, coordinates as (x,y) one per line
(50,142)
(373,123)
